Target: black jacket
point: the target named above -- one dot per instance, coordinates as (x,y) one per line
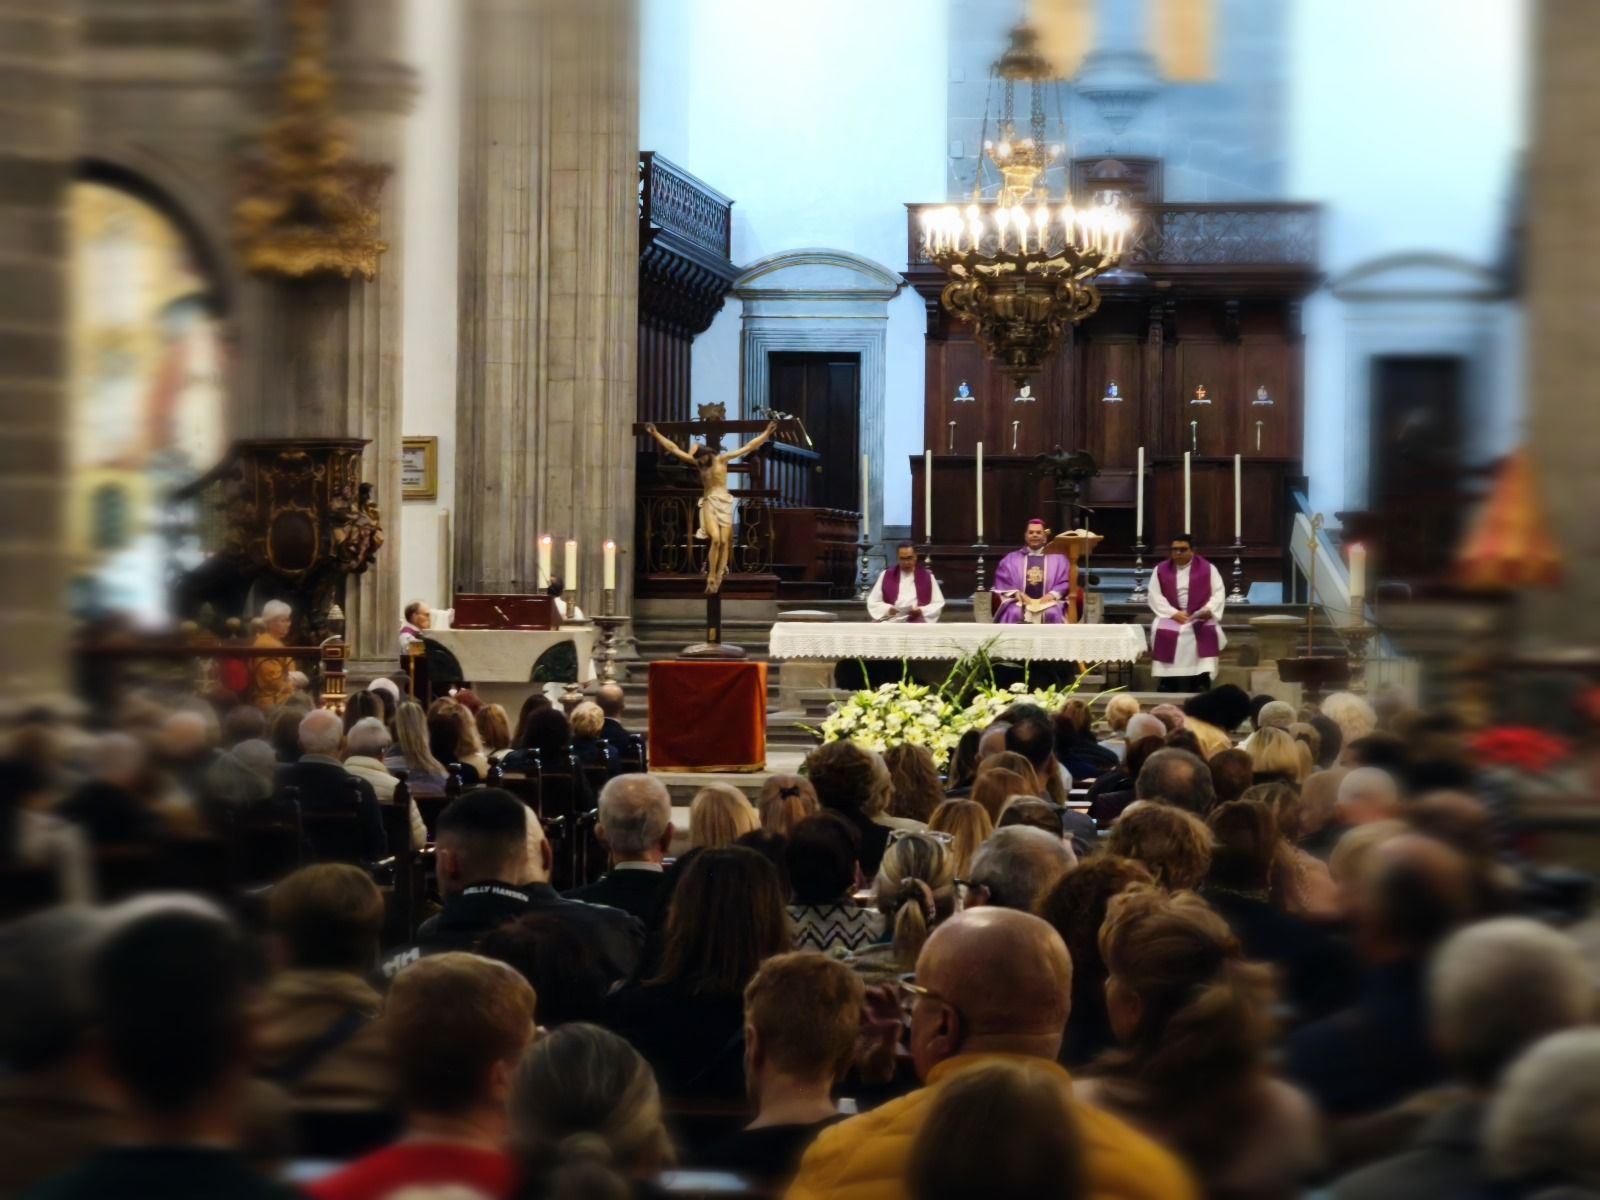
(618,937)
(694,1042)
(1318,970)
(326,787)
(620,739)
(642,893)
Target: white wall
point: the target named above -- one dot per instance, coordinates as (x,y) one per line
(428,373)
(821,121)
(1406,121)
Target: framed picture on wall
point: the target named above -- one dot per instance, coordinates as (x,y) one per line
(419,468)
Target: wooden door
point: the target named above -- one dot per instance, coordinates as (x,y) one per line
(824,391)
(1417,462)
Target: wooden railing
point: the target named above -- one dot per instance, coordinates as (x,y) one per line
(673,200)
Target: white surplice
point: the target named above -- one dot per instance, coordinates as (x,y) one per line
(879,610)
(1186,659)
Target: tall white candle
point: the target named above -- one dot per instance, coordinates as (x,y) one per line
(609,565)
(1186,493)
(546,544)
(865,493)
(980,491)
(927,494)
(1138,499)
(1238,502)
(1358,571)
(571,579)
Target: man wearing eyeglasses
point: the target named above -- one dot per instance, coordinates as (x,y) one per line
(1187,597)
(991,984)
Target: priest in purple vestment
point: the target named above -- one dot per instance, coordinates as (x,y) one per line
(907,592)
(1031,574)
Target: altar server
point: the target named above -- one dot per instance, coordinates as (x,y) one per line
(909,592)
(1186,636)
(1033,585)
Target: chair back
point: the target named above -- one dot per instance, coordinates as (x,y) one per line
(558,791)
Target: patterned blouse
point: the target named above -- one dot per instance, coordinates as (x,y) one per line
(835,929)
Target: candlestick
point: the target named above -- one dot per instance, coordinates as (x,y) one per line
(571,581)
(545,551)
(951,445)
(608,602)
(1140,593)
(1138,499)
(1236,593)
(1194,436)
(1016,427)
(608,624)
(1186,515)
(1238,501)
(978,547)
(927,496)
(865,495)
(1258,434)
(980,491)
(864,571)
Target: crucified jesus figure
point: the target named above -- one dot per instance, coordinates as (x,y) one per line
(716,502)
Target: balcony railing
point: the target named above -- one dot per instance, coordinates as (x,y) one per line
(672,200)
(1175,235)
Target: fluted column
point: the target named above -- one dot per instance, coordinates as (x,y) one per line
(1563,278)
(321,356)
(38,147)
(548,290)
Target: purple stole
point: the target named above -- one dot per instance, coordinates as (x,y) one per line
(1165,648)
(891,589)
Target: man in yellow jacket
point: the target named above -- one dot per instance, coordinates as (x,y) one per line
(992,984)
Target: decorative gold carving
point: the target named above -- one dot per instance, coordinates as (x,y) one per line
(306,208)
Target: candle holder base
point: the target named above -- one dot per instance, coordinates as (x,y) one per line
(608,602)
(864,571)
(1141,591)
(979,587)
(1236,594)
(608,624)
(1356,638)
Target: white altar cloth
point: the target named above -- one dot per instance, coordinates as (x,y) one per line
(509,655)
(869,639)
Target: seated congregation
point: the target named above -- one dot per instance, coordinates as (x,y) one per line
(1231,949)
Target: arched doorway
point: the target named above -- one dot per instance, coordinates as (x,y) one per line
(147,396)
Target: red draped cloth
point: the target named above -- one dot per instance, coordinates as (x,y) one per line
(708,716)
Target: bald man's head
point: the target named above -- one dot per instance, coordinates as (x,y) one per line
(999,981)
(1415,891)
(611,699)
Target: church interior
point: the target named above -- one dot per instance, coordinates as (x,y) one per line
(773,375)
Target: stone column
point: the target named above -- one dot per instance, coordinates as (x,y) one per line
(322,356)
(1562,280)
(38,149)
(549,267)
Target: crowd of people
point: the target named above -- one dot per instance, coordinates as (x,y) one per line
(1232,948)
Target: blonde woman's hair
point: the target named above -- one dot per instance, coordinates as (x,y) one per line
(1275,751)
(1120,709)
(785,801)
(719,815)
(1174,844)
(917,791)
(587,720)
(1010,760)
(1194,1062)
(1353,715)
(586,1114)
(969,824)
(916,889)
(411,732)
(494,727)
(997,785)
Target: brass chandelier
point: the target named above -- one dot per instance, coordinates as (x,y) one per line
(1021,264)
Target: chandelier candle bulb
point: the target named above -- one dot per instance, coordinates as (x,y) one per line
(1238,502)
(609,565)
(980,491)
(927,495)
(1186,511)
(546,544)
(1138,499)
(571,581)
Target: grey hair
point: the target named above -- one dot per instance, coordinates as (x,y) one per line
(116,753)
(1143,725)
(635,811)
(1497,987)
(1363,781)
(1542,1122)
(258,755)
(273,609)
(368,736)
(321,731)
(233,781)
(1276,713)
(1019,862)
